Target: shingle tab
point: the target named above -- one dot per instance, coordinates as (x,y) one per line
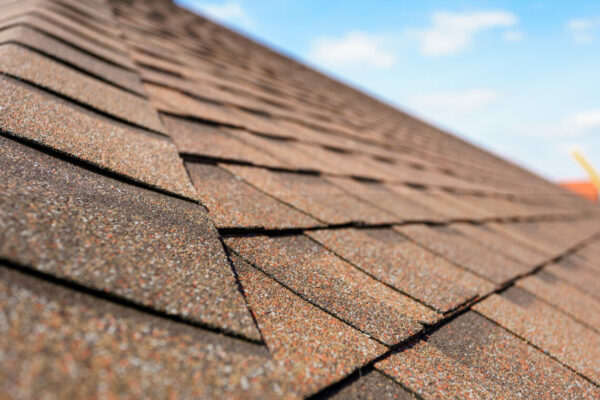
(41,118)
(66,53)
(574,302)
(58,343)
(549,329)
(44,72)
(233,203)
(334,285)
(400,263)
(319,348)
(379,195)
(500,243)
(198,139)
(153,250)
(577,276)
(464,252)
(472,358)
(373,386)
(313,195)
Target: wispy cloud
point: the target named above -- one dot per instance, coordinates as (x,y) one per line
(583,30)
(450,33)
(585,121)
(352,49)
(229,12)
(513,36)
(577,125)
(456,102)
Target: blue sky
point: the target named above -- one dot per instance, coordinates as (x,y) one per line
(520,78)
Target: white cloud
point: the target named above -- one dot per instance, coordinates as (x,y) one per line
(582,29)
(231,12)
(585,121)
(513,36)
(354,48)
(450,33)
(460,102)
(577,125)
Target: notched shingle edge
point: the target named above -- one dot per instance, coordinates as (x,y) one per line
(118,300)
(108,173)
(86,107)
(74,67)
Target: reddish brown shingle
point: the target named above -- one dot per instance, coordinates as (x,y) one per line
(336,286)
(318,348)
(367,236)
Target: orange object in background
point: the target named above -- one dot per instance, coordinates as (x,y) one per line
(583,188)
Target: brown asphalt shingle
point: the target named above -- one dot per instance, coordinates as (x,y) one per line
(198,139)
(464,252)
(373,386)
(27,113)
(572,343)
(152,250)
(68,54)
(316,346)
(335,286)
(58,343)
(472,358)
(29,66)
(567,298)
(312,194)
(137,139)
(400,263)
(233,203)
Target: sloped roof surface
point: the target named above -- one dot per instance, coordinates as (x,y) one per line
(185,213)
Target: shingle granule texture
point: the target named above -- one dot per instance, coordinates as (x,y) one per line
(66,53)
(29,66)
(188,214)
(146,158)
(373,386)
(577,276)
(472,358)
(567,298)
(58,344)
(196,138)
(153,250)
(379,195)
(402,264)
(464,252)
(313,195)
(336,286)
(547,328)
(500,243)
(233,203)
(319,348)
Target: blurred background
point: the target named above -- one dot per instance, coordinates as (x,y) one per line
(518,78)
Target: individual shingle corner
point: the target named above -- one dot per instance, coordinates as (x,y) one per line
(147,248)
(58,343)
(546,327)
(27,113)
(471,357)
(372,385)
(396,261)
(30,66)
(317,348)
(335,286)
(233,203)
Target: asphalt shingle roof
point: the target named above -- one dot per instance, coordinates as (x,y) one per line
(185,213)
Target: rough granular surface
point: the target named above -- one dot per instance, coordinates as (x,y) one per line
(188,214)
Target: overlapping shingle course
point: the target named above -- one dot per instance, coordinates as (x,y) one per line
(218,220)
